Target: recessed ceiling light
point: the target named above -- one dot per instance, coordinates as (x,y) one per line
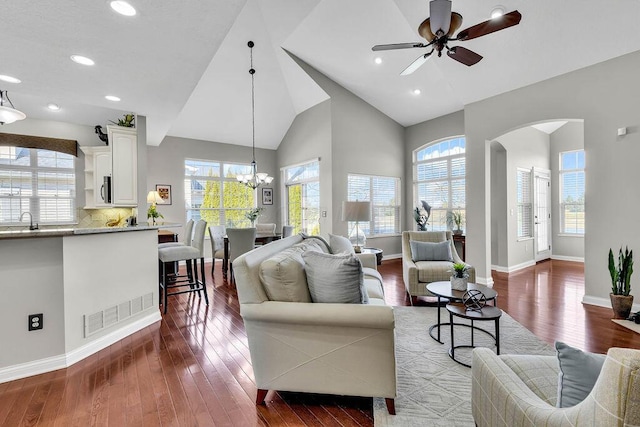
(497,12)
(378,60)
(82,60)
(417,91)
(53,107)
(112,98)
(123,8)
(9,79)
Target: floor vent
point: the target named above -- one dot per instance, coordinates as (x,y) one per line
(100,320)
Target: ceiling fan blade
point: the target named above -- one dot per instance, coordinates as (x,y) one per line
(492,25)
(416,64)
(440,16)
(464,56)
(397,46)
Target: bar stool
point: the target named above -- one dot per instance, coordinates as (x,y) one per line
(187,253)
(186,241)
(287,230)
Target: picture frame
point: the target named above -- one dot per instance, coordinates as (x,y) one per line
(165,192)
(267,196)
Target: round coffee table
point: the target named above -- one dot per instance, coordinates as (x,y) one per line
(486,313)
(443,290)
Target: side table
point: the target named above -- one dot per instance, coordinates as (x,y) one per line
(487,313)
(376,251)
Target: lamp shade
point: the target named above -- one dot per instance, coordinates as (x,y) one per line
(356,211)
(154,197)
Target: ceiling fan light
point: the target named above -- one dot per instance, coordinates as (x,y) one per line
(440,16)
(497,12)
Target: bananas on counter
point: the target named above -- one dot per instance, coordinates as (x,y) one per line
(114,222)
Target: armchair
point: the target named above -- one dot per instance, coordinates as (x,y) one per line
(417,275)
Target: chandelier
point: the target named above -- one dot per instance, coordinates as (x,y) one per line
(254,179)
(9,114)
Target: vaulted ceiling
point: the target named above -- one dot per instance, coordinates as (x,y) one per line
(185,65)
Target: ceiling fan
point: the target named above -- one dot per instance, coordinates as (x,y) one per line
(439,28)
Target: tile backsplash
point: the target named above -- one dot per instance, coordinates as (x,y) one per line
(94,218)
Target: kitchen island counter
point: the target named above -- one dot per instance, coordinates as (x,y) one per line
(22,233)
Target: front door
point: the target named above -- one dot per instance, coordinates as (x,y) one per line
(542,214)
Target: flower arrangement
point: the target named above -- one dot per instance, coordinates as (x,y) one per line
(153,213)
(421,215)
(253,214)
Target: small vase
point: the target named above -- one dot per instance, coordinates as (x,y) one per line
(459,283)
(253,223)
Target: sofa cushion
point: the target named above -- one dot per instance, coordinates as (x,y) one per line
(429,251)
(284,278)
(579,371)
(340,244)
(310,245)
(374,288)
(433,271)
(334,278)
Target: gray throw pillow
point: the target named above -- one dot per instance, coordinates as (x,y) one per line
(335,278)
(579,371)
(340,244)
(429,251)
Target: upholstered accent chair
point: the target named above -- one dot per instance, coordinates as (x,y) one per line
(521,391)
(216,236)
(417,274)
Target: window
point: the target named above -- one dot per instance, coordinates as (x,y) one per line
(302,197)
(525,206)
(213,193)
(384,195)
(572,192)
(41,182)
(439,179)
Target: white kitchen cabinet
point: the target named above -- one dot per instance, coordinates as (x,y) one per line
(97,165)
(124,152)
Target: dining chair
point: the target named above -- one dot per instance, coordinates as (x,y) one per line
(266,228)
(216,235)
(241,240)
(287,230)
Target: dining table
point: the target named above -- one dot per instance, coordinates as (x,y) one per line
(261,239)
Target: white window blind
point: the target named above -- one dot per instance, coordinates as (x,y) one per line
(384,195)
(302,188)
(572,191)
(213,193)
(439,179)
(524,204)
(38,181)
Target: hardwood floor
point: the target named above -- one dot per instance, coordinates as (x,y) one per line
(194,368)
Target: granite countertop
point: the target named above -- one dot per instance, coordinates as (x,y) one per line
(19,233)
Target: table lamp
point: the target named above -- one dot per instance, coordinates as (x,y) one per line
(154,198)
(356,211)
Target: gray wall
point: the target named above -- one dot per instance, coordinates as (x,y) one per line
(308,138)
(526,148)
(607,97)
(417,136)
(499,209)
(165,165)
(568,138)
(363,141)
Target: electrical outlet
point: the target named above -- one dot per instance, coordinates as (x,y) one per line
(324,214)
(36,321)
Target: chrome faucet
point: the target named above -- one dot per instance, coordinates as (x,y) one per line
(31,226)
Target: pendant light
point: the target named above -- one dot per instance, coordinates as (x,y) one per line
(254,179)
(9,114)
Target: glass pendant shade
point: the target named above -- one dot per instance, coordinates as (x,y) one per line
(8,114)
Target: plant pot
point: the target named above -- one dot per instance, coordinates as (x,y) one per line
(621,305)
(459,283)
(457,232)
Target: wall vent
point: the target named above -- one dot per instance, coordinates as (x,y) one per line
(110,316)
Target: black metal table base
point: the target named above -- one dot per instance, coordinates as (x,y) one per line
(474,327)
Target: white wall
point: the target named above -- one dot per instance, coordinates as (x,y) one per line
(568,138)
(499,209)
(607,97)
(165,165)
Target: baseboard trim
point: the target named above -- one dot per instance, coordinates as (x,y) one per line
(604,302)
(487,281)
(500,269)
(513,268)
(568,258)
(53,363)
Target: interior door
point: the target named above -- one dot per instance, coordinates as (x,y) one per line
(542,214)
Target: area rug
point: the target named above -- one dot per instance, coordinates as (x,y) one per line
(433,390)
(628,324)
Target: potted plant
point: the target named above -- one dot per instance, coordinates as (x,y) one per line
(459,276)
(253,214)
(128,121)
(153,214)
(621,301)
(454,218)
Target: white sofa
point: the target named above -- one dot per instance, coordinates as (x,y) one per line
(343,349)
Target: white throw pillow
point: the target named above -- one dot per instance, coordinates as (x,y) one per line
(335,278)
(340,244)
(283,277)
